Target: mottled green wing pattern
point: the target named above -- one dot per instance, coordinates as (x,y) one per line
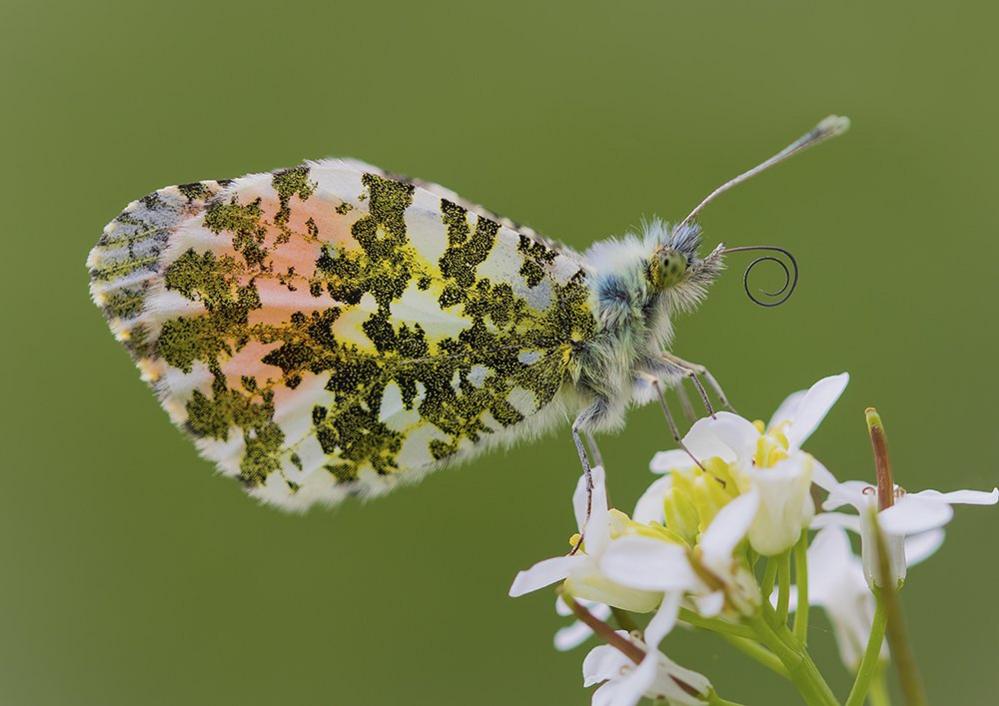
(328,329)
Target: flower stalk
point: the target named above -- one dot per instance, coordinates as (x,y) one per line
(605,631)
(871,663)
(801,577)
(905,660)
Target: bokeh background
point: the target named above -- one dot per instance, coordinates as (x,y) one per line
(133,575)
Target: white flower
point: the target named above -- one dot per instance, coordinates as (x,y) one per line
(771,461)
(576,633)
(836,583)
(581,570)
(910,515)
(653,564)
(626,683)
(655,677)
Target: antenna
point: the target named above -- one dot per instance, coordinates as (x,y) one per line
(829,127)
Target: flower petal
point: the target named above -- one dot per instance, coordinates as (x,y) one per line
(822,477)
(836,519)
(786,411)
(629,689)
(590,508)
(649,507)
(851,492)
(545,573)
(814,406)
(737,434)
(709,605)
(728,528)
(664,619)
(963,497)
(583,500)
(920,547)
(648,564)
(830,558)
(915,513)
(702,442)
(572,636)
(668,687)
(598,609)
(672,460)
(604,662)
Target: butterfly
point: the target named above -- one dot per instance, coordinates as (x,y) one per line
(333,329)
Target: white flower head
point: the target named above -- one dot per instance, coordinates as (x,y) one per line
(910,515)
(581,570)
(655,677)
(770,461)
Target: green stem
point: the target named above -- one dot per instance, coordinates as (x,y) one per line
(802,670)
(878,695)
(780,629)
(757,652)
(784,594)
(769,574)
(905,660)
(715,700)
(715,625)
(869,665)
(801,579)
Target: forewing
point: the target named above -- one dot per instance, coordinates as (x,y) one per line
(329,329)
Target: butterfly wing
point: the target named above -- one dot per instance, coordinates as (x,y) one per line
(329,329)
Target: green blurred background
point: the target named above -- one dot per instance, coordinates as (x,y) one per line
(133,575)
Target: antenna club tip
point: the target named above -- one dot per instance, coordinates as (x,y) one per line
(833,125)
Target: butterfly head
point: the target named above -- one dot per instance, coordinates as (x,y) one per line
(675,268)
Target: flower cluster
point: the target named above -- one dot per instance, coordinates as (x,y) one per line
(710,544)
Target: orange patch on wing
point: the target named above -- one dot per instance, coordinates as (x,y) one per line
(248,362)
(278,303)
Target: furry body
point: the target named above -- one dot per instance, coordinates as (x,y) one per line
(330,329)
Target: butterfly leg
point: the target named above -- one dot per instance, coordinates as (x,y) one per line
(686,408)
(694,372)
(580,428)
(591,445)
(670,421)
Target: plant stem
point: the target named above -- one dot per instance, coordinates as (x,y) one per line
(878,695)
(769,574)
(715,625)
(757,652)
(715,700)
(802,670)
(870,664)
(801,579)
(784,595)
(905,660)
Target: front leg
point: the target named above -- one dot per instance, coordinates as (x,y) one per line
(673,366)
(699,369)
(674,430)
